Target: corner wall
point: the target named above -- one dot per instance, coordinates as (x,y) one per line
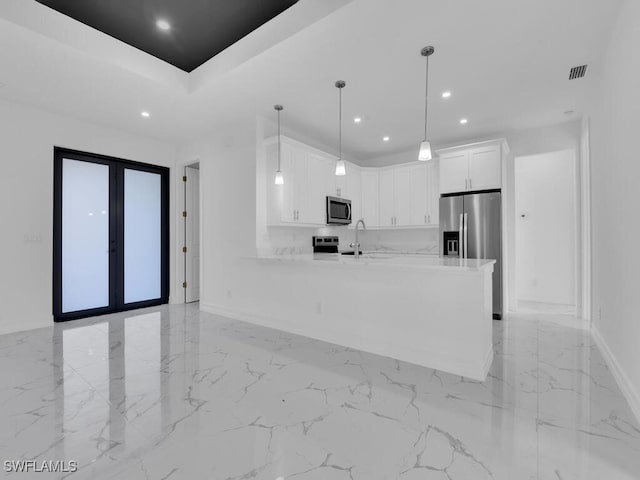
(27,138)
(615,177)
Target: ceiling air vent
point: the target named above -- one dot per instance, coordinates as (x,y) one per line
(577,72)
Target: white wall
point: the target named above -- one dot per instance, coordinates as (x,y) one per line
(615,203)
(27,138)
(227,209)
(545,204)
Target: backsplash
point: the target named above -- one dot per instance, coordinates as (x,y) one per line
(297,240)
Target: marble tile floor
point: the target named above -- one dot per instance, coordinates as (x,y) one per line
(174,393)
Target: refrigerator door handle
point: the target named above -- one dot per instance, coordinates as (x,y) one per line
(466,237)
(461,241)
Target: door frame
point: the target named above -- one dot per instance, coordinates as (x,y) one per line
(116,233)
(185,254)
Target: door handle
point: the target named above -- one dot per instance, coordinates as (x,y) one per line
(461,237)
(466,237)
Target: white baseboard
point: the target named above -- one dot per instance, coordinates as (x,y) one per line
(14,328)
(567,321)
(628,389)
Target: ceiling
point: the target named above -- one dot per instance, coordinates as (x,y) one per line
(506,64)
(192,33)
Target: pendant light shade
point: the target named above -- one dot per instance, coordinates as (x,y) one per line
(425,146)
(425,151)
(279,179)
(340,166)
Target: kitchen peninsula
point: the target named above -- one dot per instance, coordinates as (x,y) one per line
(427,310)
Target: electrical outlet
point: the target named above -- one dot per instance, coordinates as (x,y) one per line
(229,294)
(319,307)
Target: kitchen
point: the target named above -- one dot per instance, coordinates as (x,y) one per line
(295,364)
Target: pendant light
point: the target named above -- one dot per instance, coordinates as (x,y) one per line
(340,166)
(279,180)
(425,146)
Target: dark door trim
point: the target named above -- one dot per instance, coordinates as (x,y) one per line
(116,233)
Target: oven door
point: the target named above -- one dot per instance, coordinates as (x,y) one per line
(338,211)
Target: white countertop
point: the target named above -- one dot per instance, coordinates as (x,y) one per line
(378,259)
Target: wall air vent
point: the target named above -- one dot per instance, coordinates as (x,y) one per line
(577,72)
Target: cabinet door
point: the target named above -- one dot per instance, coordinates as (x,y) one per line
(288,166)
(419,200)
(402,196)
(386,199)
(433,193)
(484,168)
(454,172)
(370,200)
(312,205)
(354,191)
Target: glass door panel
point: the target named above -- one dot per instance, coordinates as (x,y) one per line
(85,235)
(142,235)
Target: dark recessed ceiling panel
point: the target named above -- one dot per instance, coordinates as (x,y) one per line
(199,29)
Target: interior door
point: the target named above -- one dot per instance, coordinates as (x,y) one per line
(111,235)
(192,235)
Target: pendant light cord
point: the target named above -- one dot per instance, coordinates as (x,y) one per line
(340,125)
(426,99)
(278,140)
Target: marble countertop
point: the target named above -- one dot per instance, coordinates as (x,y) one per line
(385,259)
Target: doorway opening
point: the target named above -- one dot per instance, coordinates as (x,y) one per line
(111,235)
(191,249)
(548,251)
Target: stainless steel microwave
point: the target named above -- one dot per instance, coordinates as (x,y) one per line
(338,211)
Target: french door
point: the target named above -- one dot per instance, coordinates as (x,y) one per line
(111,235)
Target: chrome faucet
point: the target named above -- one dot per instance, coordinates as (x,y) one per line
(356,245)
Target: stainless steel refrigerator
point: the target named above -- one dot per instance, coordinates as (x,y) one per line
(471,227)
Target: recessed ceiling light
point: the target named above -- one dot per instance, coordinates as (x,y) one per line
(446,94)
(357,120)
(463,121)
(385,139)
(145,114)
(163,25)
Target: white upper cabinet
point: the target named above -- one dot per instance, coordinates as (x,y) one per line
(402,196)
(370,197)
(433,193)
(309,176)
(454,172)
(354,190)
(386,192)
(419,194)
(472,167)
(319,173)
(484,168)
